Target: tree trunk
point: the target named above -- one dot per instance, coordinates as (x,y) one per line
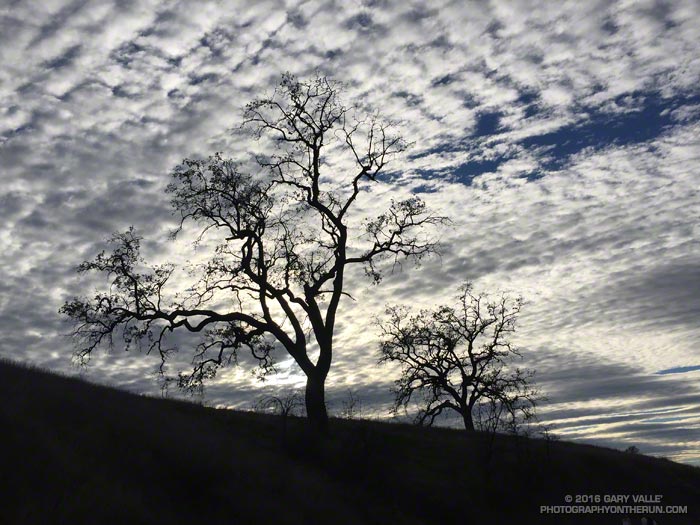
(468,420)
(316,403)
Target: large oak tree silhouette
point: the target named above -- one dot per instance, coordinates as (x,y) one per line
(277,274)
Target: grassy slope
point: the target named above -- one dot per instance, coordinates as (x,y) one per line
(73,452)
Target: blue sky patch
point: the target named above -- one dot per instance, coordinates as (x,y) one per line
(651,116)
(679,370)
(487,124)
(647,116)
(641,118)
(467,172)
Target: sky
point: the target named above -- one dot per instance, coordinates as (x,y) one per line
(562,139)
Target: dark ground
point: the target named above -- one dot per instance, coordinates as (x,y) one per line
(77,453)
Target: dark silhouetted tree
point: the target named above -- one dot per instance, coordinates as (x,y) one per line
(351,406)
(460,359)
(284,405)
(284,240)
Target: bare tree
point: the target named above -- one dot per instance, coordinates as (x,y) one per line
(352,405)
(459,359)
(284,242)
(285,405)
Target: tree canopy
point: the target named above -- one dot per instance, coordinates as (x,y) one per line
(459,358)
(284,239)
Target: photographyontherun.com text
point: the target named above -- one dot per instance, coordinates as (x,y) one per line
(613,504)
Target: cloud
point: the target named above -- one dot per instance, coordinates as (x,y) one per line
(561,138)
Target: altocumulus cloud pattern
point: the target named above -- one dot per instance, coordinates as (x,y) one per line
(563,140)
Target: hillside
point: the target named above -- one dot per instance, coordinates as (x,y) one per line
(74,452)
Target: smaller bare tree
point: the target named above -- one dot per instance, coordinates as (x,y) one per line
(460,359)
(284,405)
(352,406)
